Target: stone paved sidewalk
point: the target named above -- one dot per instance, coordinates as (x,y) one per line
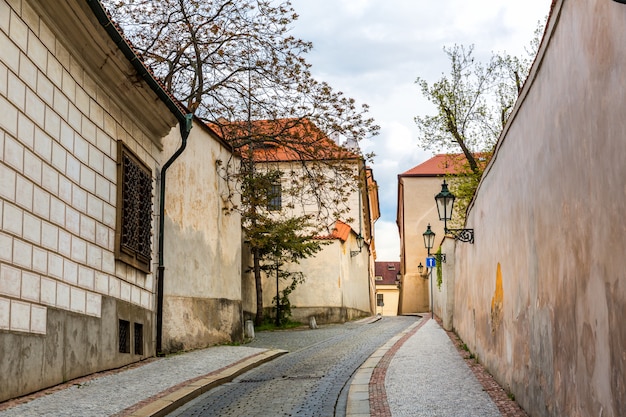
(425,372)
(118,393)
(506,406)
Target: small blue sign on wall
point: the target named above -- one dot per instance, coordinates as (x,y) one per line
(431,262)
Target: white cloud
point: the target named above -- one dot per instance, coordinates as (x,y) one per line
(387,241)
(373,50)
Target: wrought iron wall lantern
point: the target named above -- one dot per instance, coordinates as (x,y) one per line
(359,243)
(429,239)
(445,205)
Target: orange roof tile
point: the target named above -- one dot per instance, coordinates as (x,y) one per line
(441,164)
(341,231)
(283,140)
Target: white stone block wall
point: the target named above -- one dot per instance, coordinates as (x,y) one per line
(58,132)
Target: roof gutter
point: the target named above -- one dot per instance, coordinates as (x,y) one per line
(185,123)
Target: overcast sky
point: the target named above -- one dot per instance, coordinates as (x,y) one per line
(373,50)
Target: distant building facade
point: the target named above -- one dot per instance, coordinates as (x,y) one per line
(339,284)
(387,279)
(417,188)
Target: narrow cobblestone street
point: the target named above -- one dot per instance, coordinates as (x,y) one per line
(392,366)
(423,373)
(309,381)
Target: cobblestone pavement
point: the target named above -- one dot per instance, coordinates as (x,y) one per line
(309,381)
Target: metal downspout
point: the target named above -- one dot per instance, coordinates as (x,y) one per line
(185,124)
(185,128)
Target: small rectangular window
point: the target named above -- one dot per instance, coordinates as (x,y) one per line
(379,300)
(138,339)
(124,336)
(274,197)
(133,235)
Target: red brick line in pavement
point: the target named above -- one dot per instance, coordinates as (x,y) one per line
(379,407)
(506,406)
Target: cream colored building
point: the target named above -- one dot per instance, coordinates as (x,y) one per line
(202,251)
(77,289)
(387,278)
(417,209)
(339,280)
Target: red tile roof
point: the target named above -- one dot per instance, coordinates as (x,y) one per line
(387,270)
(283,140)
(441,164)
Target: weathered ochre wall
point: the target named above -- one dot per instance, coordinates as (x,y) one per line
(202,285)
(541,295)
(336,286)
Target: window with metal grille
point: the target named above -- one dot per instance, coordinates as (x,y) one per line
(124,336)
(274,197)
(134,210)
(138,339)
(379,300)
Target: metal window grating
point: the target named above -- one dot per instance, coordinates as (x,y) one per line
(136,209)
(124,336)
(138,339)
(133,236)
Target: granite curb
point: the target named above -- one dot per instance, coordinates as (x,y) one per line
(164,403)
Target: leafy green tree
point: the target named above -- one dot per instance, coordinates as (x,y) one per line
(281,245)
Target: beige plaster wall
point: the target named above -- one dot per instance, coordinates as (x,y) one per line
(391,298)
(202,247)
(541,295)
(419,210)
(305,201)
(443,294)
(336,287)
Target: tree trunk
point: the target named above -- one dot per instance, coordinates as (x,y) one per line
(258,320)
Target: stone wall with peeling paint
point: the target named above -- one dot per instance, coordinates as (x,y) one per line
(202,285)
(540,296)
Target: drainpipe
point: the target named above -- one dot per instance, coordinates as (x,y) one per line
(184,121)
(185,128)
